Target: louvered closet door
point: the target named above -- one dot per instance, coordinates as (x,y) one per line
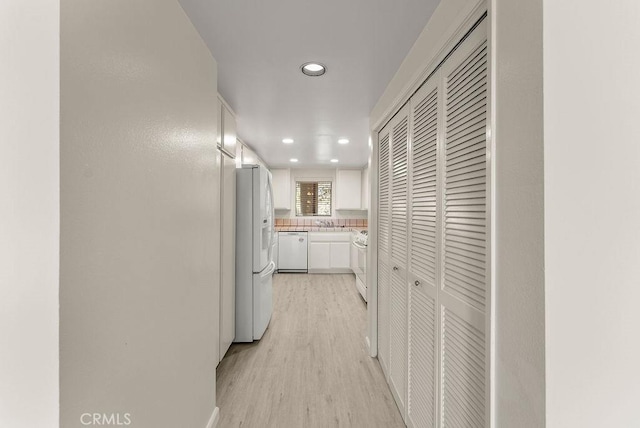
(423,258)
(384,247)
(463,295)
(399,186)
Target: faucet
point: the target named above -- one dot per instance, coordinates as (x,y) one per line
(325,223)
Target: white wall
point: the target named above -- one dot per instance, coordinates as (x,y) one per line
(592,212)
(29,212)
(426,51)
(139,271)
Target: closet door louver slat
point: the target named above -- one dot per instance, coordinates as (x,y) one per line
(384,214)
(399,188)
(422,376)
(463,361)
(423,191)
(464,278)
(384,290)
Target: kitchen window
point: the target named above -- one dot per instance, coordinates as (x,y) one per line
(313,198)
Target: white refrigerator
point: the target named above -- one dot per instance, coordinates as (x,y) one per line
(255,242)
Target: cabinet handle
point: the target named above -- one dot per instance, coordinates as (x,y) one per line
(395,268)
(417,283)
(300,239)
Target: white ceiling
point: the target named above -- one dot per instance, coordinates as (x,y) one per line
(260,46)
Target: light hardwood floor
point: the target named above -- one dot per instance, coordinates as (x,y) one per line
(311,368)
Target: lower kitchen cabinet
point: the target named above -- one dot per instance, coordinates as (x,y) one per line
(340,255)
(319,255)
(329,252)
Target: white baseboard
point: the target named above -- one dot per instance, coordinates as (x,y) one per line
(215,417)
(330,271)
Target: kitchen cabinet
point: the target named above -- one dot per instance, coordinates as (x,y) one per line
(329,252)
(348,189)
(281,179)
(319,255)
(227,133)
(340,255)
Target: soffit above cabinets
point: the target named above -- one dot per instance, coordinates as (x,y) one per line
(260,46)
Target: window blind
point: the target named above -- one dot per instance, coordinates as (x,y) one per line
(313,198)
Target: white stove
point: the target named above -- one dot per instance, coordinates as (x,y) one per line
(359,264)
(362,238)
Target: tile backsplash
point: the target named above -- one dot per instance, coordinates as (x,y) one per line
(297,222)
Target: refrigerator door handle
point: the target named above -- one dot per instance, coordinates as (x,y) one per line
(272,239)
(268,270)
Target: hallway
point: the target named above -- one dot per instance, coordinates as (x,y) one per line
(311,369)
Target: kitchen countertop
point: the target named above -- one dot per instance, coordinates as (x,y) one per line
(318,229)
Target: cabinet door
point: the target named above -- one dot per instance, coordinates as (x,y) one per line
(319,255)
(281,179)
(340,252)
(228,255)
(348,189)
(399,248)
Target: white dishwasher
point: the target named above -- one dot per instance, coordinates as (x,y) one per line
(292,252)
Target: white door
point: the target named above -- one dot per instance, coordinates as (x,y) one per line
(398,295)
(463,291)
(423,257)
(446,346)
(384,240)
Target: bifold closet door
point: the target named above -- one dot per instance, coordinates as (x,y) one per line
(399,235)
(463,294)
(423,257)
(384,247)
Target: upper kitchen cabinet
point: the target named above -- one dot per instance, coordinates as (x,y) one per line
(227,132)
(281,180)
(348,189)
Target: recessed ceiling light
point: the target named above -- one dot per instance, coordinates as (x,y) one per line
(293,160)
(334,160)
(343,141)
(287,140)
(313,69)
